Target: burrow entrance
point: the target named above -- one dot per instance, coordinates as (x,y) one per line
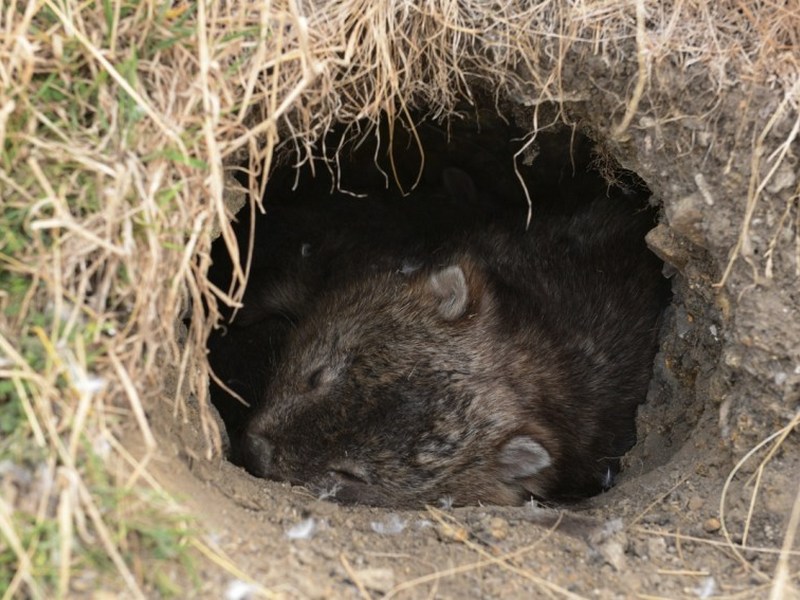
(371,192)
(625,538)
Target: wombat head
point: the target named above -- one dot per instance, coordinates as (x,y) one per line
(390,395)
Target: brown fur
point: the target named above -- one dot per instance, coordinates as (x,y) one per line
(507,367)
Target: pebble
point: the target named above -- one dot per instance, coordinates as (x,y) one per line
(785,177)
(610,542)
(451,533)
(695,503)
(498,528)
(613,552)
(686,217)
(662,241)
(657,549)
(711,525)
(376,579)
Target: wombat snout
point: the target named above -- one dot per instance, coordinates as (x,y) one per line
(257,454)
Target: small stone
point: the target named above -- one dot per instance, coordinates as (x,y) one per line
(750,555)
(695,503)
(656,518)
(704,138)
(711,525)
(498,528)
(613,552)
(686,217)
(662,241)
(376,579)
(610,542)
(779,502)
(656,548)
(304,556)
(784,177)
(707,588)
(452,533)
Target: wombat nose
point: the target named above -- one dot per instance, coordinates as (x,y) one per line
(257,454)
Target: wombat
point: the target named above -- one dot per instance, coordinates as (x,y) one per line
(508,365)
(305,245)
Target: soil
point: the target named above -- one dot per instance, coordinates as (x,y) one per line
(683,520)
(656,534)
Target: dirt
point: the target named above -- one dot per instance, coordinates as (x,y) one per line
(684,519)
(655,534)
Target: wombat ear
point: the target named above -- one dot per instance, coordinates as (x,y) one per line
(459,185)
(522,457)
(450,288)
(285,298)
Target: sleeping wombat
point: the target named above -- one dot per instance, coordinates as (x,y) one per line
(307,244)
(508,366)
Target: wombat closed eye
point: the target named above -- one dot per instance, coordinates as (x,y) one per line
(508,366)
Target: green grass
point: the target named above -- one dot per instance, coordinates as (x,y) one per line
(68,104)
(155,542)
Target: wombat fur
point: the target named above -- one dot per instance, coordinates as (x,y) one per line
(314,236)
(502,365)
(304,247)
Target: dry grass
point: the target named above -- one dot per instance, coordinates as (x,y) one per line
(117,120)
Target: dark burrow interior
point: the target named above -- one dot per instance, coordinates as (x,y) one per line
(370,194)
